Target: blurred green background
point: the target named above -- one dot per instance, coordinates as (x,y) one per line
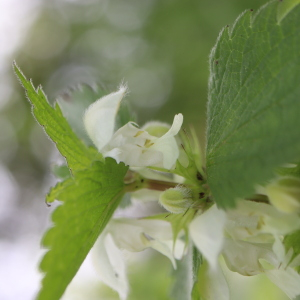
(159,48)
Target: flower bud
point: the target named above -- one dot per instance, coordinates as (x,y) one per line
(284,194)
(176,200)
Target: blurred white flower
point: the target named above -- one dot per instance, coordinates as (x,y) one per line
(249,239)
(130,144)
(133,235)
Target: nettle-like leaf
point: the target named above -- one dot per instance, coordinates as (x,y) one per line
(89,197)
(77,154)
(254,107)
(89,200)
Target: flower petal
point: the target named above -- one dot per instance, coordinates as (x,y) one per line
(110,265)
(244,257)
(99,118)
(207,233)
(167,144)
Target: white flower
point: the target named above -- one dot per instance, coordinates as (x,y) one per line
(132,145)
(133,235)
(248,238)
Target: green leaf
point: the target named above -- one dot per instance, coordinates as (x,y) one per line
(197,262)
(293,241)
(78,156)
(254,107)
(88,203)
(61,172)
(56,191)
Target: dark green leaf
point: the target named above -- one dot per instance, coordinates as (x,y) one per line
(254,107)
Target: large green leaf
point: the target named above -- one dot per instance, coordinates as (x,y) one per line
(254,101)
(78,156)
(88,203)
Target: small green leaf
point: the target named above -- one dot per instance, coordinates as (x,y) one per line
(61,172)
(197,262)
(254,107)
(89,200)
(55,191)
(293,241)
(78,156)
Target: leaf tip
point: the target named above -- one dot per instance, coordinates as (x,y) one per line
(285,7)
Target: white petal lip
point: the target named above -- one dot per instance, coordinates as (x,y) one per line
(207,233)
(128,145)
(177,123)
(167,144)
(99,118)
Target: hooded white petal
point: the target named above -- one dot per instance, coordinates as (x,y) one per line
(99,118)
(207,233)
(167,144)
(110,265)
(137,148)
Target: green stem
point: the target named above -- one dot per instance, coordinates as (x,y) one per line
(159,185)
(151,184)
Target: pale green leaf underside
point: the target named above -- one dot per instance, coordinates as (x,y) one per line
(254,102)
(89,200)
(78,156)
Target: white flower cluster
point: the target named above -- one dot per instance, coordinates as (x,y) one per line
(130,144)
(249,237)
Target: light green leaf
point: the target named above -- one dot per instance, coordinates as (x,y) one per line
(293,241)
(61,171)
(88,203)
(254,107)
(78,156)
(197,262)
(55,191)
